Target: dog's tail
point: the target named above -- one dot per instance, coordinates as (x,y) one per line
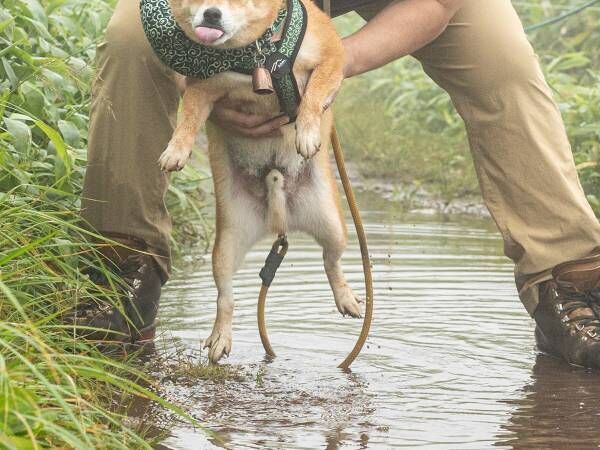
(276,203)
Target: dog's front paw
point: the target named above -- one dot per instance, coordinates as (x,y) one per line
(347,303)
(308,137)
(218,343)
(173,158)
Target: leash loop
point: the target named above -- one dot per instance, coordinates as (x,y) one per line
(280,247)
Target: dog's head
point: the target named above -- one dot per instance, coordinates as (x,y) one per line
(225,23)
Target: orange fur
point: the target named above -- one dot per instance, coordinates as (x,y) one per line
(313,201)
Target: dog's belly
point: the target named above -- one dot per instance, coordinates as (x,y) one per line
(253,156)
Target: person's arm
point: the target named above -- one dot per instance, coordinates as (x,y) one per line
(398,30)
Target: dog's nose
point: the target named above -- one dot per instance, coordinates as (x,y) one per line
(212,15)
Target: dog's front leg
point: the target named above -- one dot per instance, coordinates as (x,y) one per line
(323,84)
(197,104)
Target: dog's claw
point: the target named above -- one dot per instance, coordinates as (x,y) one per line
(347,303)
(219,344)
(173,159)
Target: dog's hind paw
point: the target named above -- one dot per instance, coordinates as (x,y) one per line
(173,158)
(347,303)
(219,344)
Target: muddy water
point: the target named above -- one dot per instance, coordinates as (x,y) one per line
(450,362)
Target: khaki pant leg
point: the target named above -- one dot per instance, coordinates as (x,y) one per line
(518,141)
(134,107)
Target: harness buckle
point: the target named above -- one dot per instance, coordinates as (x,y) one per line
(278,65)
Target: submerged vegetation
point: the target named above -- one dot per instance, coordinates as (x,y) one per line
(407,128)
(188,367)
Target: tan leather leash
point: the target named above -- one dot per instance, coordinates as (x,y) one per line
(280,247)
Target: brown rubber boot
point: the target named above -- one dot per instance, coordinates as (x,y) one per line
(135,321)
(567,317)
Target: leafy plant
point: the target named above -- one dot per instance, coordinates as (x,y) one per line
(55,390)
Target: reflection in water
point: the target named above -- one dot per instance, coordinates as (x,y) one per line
(450,349)
(559,409)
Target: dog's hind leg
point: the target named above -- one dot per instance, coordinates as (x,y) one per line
(224,267)
(239,226)
(332,237)
(318,213)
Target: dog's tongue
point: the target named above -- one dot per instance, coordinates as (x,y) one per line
(208,35)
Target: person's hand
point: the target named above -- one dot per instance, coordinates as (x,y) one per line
(248,125)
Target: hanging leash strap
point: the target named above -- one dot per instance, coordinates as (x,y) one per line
(279,250)
(276,49)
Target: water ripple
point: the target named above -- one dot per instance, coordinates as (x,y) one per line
(450,362)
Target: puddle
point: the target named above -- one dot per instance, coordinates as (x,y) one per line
(450,362)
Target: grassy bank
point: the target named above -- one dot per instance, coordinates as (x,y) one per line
(55,391)
(407,128)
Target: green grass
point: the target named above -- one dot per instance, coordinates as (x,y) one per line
(407,129)
(56,391)
(397,145)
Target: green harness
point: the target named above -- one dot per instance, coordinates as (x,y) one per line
(192,59)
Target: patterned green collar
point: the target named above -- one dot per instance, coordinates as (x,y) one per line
(192,59)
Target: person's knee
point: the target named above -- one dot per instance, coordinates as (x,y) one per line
(493,64)
(493,46)
(511,63)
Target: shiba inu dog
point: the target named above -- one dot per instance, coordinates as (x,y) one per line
(275,184)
